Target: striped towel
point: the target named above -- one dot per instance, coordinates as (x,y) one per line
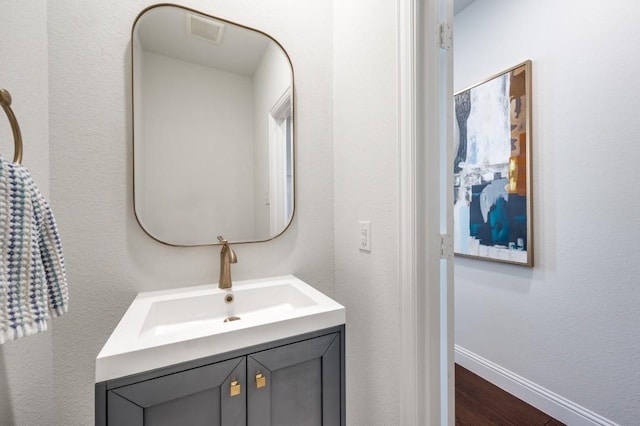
(33,286)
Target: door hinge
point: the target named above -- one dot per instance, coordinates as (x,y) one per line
(444,36)
(446,246)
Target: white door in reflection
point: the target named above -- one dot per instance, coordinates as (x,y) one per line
(280,198)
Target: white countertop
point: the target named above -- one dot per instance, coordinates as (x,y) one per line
(166,327)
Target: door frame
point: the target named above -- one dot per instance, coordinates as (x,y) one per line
(280,208)
(425,107)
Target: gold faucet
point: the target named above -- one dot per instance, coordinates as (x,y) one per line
(227,257)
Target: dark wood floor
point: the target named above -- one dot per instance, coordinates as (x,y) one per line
(480,403)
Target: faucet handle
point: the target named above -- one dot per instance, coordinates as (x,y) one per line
(227,249)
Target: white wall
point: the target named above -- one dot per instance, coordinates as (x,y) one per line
(366,188)
(109,258)
(570,324)
(26,380)
(198,132)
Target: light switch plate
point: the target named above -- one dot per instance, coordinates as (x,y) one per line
(365,236)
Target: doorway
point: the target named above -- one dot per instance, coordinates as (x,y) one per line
(426,177)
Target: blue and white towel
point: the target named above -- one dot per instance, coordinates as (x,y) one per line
(33,286)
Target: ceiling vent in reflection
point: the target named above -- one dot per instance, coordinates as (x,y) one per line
(205,29)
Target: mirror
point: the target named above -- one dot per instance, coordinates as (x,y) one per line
(213,147)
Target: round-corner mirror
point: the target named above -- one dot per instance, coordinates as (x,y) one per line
(213,129)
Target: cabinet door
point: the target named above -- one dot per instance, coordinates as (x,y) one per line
(300,384)
(200,396)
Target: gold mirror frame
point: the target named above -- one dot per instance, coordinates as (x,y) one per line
(292,132)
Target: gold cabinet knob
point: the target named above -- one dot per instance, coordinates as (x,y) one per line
(235,388)
(261,380)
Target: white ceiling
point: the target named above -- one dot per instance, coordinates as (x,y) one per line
(458,5)
(163,30)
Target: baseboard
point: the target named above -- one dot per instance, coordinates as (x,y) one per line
(543,399)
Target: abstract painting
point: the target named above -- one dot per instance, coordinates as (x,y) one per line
(492,173)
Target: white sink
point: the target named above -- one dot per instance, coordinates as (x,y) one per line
(162,328)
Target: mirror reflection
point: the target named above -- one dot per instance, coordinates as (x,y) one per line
(213,129)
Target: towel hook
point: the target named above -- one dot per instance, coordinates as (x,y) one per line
(5,101)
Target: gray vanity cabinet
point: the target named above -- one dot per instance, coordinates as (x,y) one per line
(196,397)
(296,385)
(297,381)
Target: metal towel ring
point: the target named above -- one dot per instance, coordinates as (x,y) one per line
(5,101)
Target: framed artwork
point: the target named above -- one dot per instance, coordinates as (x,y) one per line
(492,168)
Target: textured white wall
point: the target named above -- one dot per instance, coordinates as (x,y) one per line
(26,379)
(24,73)
(366,188)
(571,323)
(109,258)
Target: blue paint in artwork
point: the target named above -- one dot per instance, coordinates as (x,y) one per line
(476,219)
(506,224)
(518,219)
(498,220)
